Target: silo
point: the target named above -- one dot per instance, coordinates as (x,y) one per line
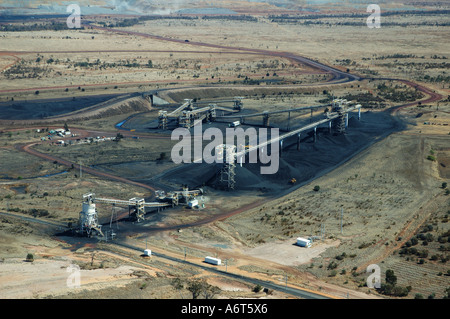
(88,216)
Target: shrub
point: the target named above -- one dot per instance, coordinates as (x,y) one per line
(316,188)
(30,257)
(400,291)
(342,256)
(333,273)
(162,156)
(257,288)
(386,289)
(423,254)
(447,291)
(332,265)
(390,277)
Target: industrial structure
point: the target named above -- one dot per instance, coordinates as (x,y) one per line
(174,198)
(226,154)
(189,114)
(266,115)
(88,220)
(338,118)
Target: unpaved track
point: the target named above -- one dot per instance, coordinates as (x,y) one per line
(338,77)
(408,231)
(28,148)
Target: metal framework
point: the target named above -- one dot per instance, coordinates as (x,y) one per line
(341,107)
(188,114)
(238,105)
(89,216)
(178,197)
(341,122)
(88,220)
(227,154)
(162,120)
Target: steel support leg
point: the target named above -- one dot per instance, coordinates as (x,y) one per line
(281,147)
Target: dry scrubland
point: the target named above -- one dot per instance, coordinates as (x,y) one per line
(61,62)
(334,46)
(394,51)
(380,191)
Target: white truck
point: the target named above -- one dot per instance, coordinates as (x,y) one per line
(212,260)
(303,242)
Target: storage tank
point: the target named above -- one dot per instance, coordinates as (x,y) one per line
(303,242)
(88,218)
(88,213)
(212,260)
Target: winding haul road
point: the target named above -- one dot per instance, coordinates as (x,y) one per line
(293,291)
(337,76)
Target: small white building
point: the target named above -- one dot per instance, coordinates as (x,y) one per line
(212,260)
(147,252)
(303,242)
